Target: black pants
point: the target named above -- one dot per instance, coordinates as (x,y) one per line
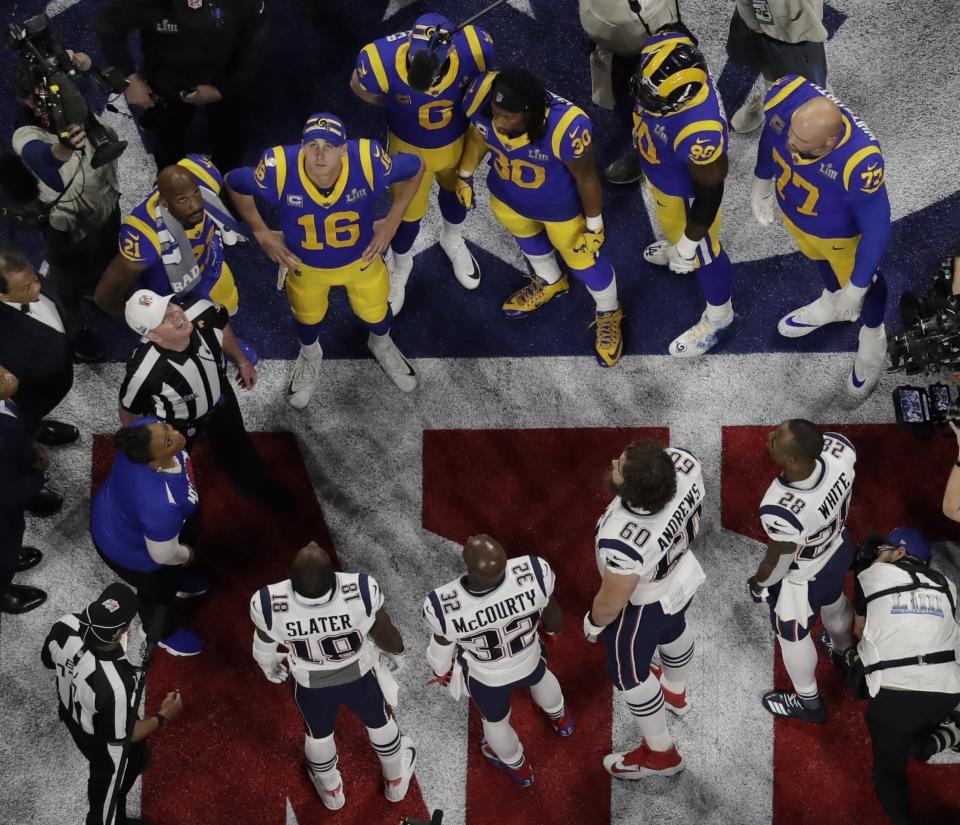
(12,525)
(775,58)
(155,589)
(104,761)
(896,719)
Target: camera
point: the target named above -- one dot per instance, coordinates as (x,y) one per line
(925,406)
(436,819)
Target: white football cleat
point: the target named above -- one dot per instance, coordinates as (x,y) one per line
(392,362)
(809,317)
(465,267)
(400,268)
(303,380)
(333,799)
(396,789)
(749,117)
(867,367)
(702,337)
(656,253)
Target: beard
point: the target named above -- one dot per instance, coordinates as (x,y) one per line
(610,484)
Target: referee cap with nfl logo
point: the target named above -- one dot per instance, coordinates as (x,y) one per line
(111,612)
(144,310)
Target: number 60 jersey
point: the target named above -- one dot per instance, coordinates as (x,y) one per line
(497,630)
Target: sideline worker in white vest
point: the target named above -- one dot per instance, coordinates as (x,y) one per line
(909,643)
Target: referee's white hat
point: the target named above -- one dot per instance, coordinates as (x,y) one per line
(145,309)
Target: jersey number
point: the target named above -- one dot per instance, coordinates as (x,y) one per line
(518,172)
(788,175)
(681,543)
(328,648)
(510,640)
(131,248)
(648,151)
(436,114)
(339,229)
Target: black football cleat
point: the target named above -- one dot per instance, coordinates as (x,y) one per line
(789,706)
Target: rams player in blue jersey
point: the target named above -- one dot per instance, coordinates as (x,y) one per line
(324,190)
(419,77)
(827,171)
(681,134)
(545,191)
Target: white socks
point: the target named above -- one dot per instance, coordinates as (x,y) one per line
(451,232)
(646,704)
(800,660)
(548,695)
(606,298)
(504,742)
(720,316)
(386,742)
(322,759)
(545,267)
(312,351)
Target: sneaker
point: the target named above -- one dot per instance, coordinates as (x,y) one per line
(400,269)
(625,169)
(867,366)
(396,789)
(749,117)
(789,706)
(643,762)
(533,296)
(807,318)
(392,362)
(182,642)
(837,659)
(564,726)
(609,342)
(523,775)
(333,799)
(676,703)
(702,337)
(465,267)
(303,380)
(191,585)
(656,253)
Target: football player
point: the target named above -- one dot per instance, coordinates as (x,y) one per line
(321,626)
(324,190)
(419,77)
(485,638)
(545,191)
(649,576)
(804,514)
(828,173)
(681,133)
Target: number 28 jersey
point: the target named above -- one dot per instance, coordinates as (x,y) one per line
(495,631)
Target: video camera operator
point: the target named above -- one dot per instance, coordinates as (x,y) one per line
(909,642)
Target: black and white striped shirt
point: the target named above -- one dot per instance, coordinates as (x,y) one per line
(179,386)
(95,688)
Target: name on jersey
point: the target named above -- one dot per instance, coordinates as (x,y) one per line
(836,494)
(857,122)
(319,625)
(504,609)
(679,518)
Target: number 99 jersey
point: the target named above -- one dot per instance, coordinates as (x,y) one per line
(325,635)
(496,631)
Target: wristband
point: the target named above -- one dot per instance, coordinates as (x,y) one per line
(242,364)
(161,719)
(463,174)
(686,248)
(594,223)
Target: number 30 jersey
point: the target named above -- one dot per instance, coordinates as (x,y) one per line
(632,542)
(496,631)
(812,513)
(324,636)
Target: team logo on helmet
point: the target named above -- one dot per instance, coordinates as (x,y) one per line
(671,73)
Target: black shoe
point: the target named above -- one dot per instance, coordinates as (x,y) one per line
(29,557)
(837,659)
(625,169)
(87,348)
(19,598)
(45,503)
(56,433)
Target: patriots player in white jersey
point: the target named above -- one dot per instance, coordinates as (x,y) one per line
(321,626)
(485,637)
(649,578)
(804,514)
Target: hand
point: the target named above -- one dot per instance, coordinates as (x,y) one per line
(443,681)
(762,201)
(139,93)
(246,375)
(757,592)
(590,630)
(190,557)
(849,301)
(678,263)
(41,457)
(392,661)
(81,60)
(203,94)
(77,137)
(172,705)
(590,241)
(464,192)
(272,243)
(383,232)
(278,674)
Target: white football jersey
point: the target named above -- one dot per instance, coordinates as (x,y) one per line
(497,630)
(324,636)
(812,513)
(632,542)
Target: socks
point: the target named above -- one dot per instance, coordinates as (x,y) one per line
(548,695)
(720,316)
(545,267)
(322,759)
(675,659)
(386,743)
(646,704)
(606,298)
(504,742)
(312,351)
(451,232)
(800,660)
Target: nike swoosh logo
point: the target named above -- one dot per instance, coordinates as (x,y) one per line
(792,323)
(838,248)
(572,135)
(853,377)
(615,769)
(701,140)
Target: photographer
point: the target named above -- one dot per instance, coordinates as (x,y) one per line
(908,646)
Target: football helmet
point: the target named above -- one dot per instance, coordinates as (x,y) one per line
(671,73)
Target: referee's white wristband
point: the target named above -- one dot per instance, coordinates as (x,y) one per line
(687,248)
(594,222)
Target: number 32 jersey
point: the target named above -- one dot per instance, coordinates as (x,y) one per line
(324,636)
(496,631)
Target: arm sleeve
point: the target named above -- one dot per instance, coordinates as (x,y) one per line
(117,19)
(872,213)
(169,552)
(780,570)
(572,137)
(249,49)
(38,156)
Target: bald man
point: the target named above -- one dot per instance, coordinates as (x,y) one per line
(826,169)
(340,645)
(485,641)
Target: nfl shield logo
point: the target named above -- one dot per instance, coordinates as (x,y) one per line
(195,4)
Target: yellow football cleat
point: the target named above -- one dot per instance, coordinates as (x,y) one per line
(533,296)
(609,338)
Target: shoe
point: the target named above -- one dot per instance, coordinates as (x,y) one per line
(523,775)
(87,348)
(400,269)
(749,117)
(702,337)
(29,557)
(191,585)
(533,296)
(392,362)
(56,433)
(465,267)
(789,706)
(867,366)
(303,380)
(676,703)
(182,642)
(807,318)
(642,762)
(945,737)
(564,726)
(837,659)
(334,799)
(45,503)
(609,342)
(20,598)
(396,789)
(656,253)
(625,169)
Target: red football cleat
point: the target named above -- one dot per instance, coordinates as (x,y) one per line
(643,762)
(676,703)
(564,726)
(523,775)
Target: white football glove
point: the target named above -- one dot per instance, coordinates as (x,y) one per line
(682,256)
(590,630)
(848,302)
(392,661)
(762,201)
(270,659)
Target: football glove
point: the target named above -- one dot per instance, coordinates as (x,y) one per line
(590,630)
(757,592)
(392,661)
(762,201)
(848,302)
(590,241)
(270,659)
(678,261)
(464,192)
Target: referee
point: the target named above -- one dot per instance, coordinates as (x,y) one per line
(178,375)
(96,685)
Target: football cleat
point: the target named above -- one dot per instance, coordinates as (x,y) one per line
(303,380)
(656,253)
(333,799)
(702,337)
(523,775)
(642,762)
(749,117)
(609,340)
(809,317)
(789,706)
(392,362)
(867,366)
(182,642)
(465,267)
(564,726)
(396,789)
(676,703)
(400,268)
(837,659)
(533,296)
(626,169)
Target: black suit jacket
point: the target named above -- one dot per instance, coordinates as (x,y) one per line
(20,480)
(39,356)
